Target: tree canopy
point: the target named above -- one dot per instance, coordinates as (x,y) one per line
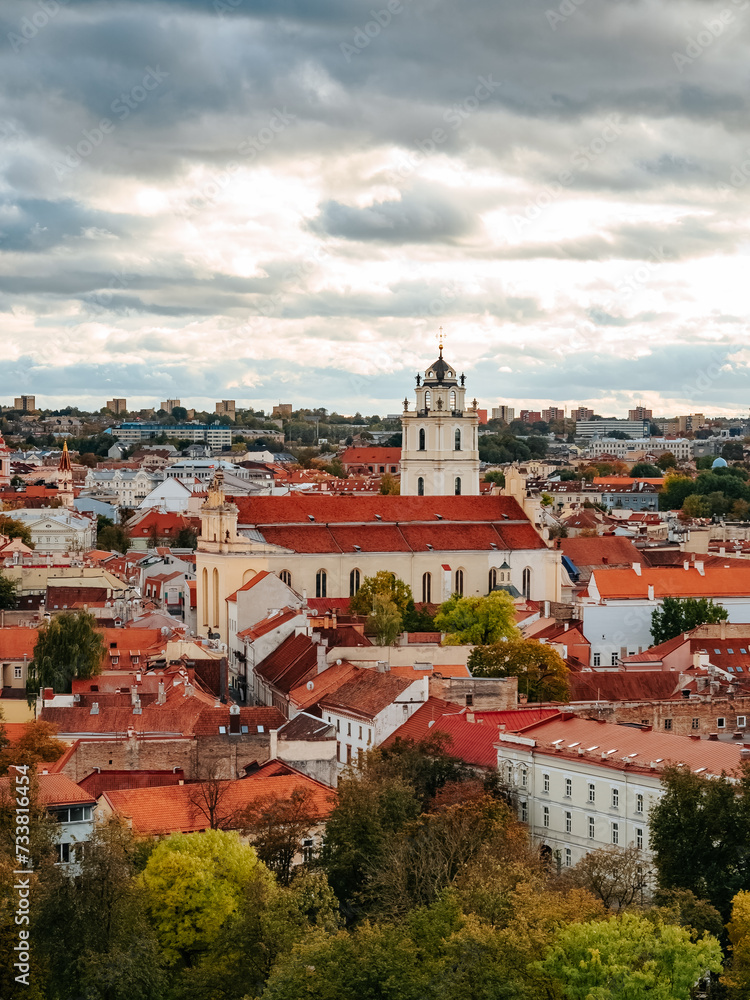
(8,593)
(11,527)
(680,614)
(385,584)
(477,620)
(67,646)
(541,671)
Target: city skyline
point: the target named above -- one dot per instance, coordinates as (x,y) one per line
(271,202)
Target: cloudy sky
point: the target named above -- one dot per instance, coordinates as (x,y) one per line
(282,200)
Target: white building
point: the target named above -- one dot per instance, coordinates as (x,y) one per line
(439,451)
(681,448)
(130,486)
(58,529)
(582,784)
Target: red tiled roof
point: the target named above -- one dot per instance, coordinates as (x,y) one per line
(613,550)
(622,584)
(371,456)
(157,811)
(57,790)
(310,692)
(417,725)
(623,685)
(290,663)
(256,719)
(269,624)
(15,730)
(103,781)
(17,642)
(366,694)
(713,756)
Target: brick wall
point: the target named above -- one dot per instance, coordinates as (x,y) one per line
(488,693)
(690,716)
(65,597)
(230,753)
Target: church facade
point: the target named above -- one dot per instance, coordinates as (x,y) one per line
(440,536)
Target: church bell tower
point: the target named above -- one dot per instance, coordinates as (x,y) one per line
(439,450)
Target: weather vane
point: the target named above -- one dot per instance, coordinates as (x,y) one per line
(440,341)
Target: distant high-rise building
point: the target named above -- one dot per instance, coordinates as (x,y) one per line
(169,405)
(506,413)
(283,410)
(27,403)
(117,405)
(530,416)
(226,408)
(640,413)
(553,413)
(582,413)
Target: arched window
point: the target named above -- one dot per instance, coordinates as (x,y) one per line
(420,487)
(526,582)
(457,440)
(457,486)
(427,399)
(453,399)
(427,588)
(206,597)
(459,587)
(321,583)
(421,439)
(493,579)
(216,598)
(354,582)
(286,577)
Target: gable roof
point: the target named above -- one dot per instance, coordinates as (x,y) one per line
(613,550)
(250,584)
(716,582)
(290,663)
(366,694)
(56,790)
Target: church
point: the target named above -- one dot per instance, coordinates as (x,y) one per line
(439,536)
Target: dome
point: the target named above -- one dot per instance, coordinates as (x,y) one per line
(719,463)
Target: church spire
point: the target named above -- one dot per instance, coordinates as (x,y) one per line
(64,465)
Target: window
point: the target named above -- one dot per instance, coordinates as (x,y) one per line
(695,724)
(360,732)
(741,722)
(338,725)
(568,857)
(546,782)
(667,724)
(614,659)
(453,399)
(568,822)
(459,588)
(426,588)
(354,582)
(348,729)
(348,753)
(592,792)
(524,812)
(457,486)
(568,787)
(63,854)
(597,659)
(427,399)
(615,798)
(493,579)
(420,487)
(524,776)
(17,673)
(321,583)
(592,828)
(369,737)
(421,439)
(526,582)
(469,700)
(639,803)
(286,577)
(545,816)
(721,722)
(510,774)
(615,833)
(457,440)
(638,837)
(308,851)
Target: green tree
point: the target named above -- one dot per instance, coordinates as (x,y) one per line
(737,978)
(278,827)
(644,470)
(387,585)
(674,491)
(186,538)
(495,476)
(696,506)
(110,536)
(477,620)
(8,593)
(680,614)
(389,485)
(13,528)
(39,744)
(426,765)
(192,886)
(666,461)
(384,621)
(541,671)
(629,958)
(68,646)
(92,930)
(740,510)
(700,836)
(732,451)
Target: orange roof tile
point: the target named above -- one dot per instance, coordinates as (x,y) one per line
(308,694)
(57,790)
(717,582)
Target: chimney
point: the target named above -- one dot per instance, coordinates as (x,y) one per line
(685,564)
(273,744)
(382,666)
(700,566)
(134,695)
(722,550)
(546,609)
(320,650)
(470,717)
(722,630)
(161,697)
(565,626)
(637,569)
(651,592)
(94,708)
